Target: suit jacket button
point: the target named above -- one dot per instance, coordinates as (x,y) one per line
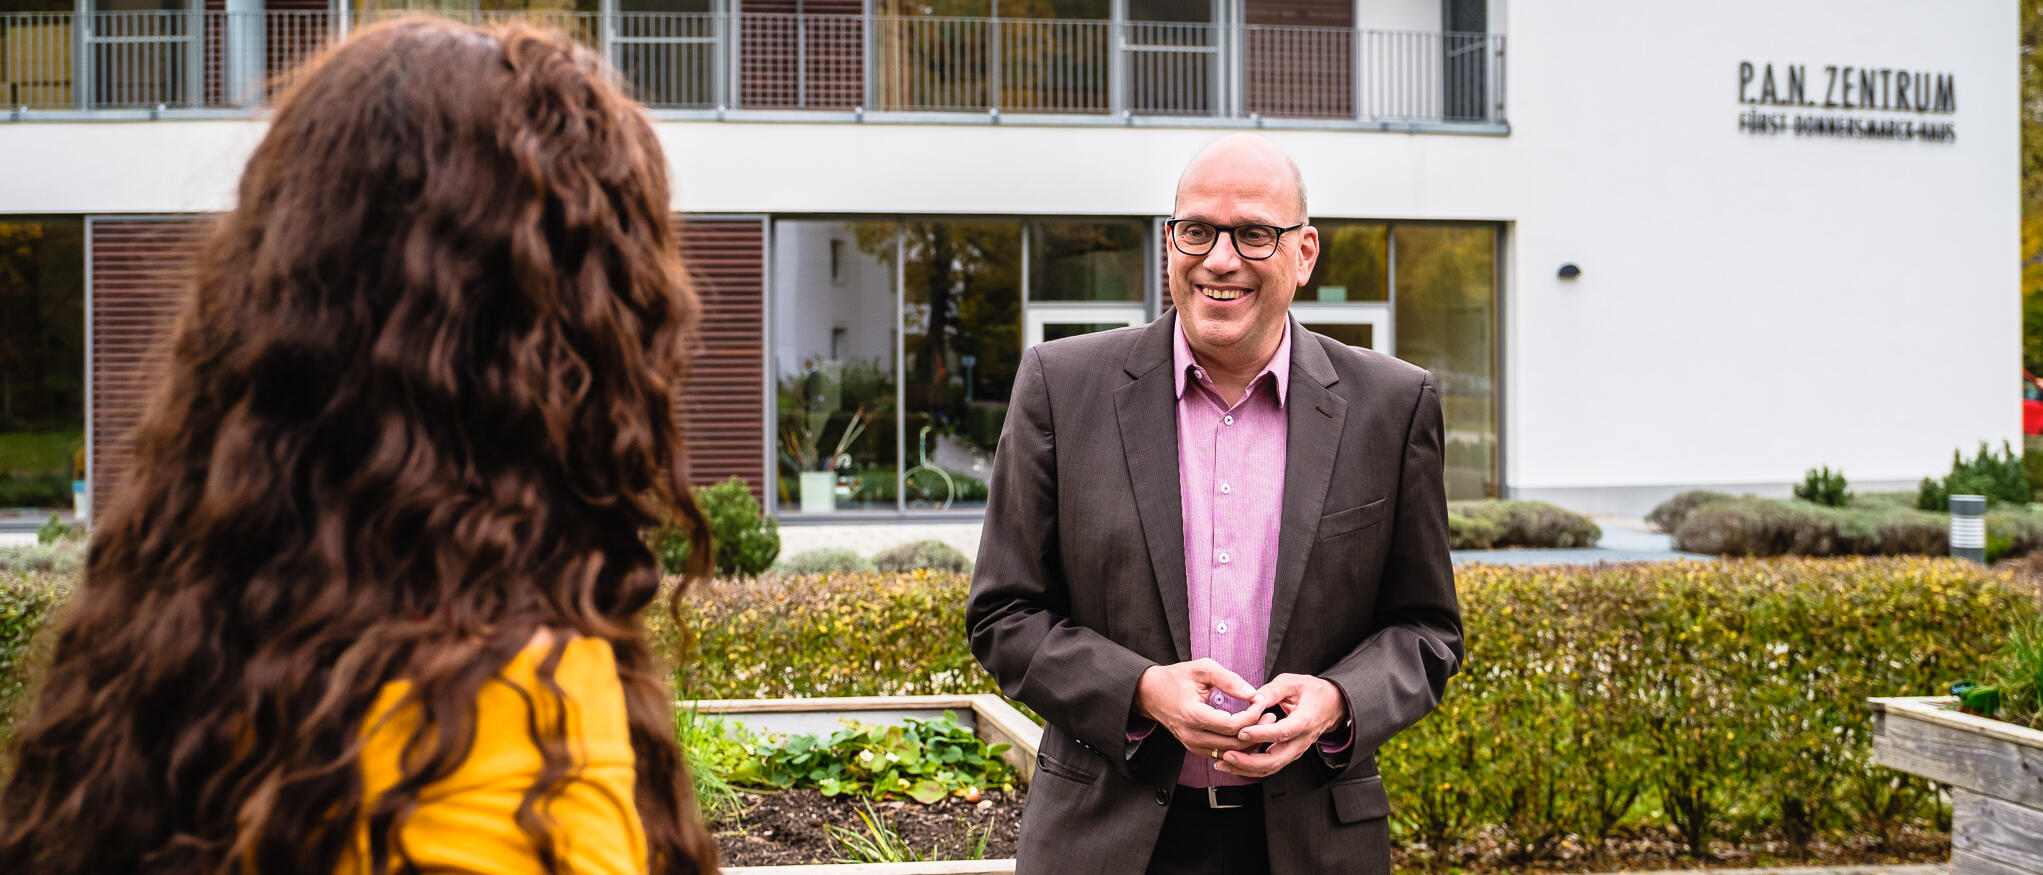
(1163,797)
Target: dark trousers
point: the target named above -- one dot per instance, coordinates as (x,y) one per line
(1198,840)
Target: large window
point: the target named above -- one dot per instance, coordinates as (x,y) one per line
(42,360)
(948,306)
(1426,293)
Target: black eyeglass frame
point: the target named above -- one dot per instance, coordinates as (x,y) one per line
(1233,239)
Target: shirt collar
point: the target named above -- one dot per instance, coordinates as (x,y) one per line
(1279,367)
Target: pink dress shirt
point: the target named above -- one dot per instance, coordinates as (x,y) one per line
(1231,477)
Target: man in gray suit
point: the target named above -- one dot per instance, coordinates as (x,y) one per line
(1215,560)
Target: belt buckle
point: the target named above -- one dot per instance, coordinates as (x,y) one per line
(1213,799)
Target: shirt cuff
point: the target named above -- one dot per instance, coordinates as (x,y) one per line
(1139,728)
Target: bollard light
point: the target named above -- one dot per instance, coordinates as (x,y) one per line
(1968,527)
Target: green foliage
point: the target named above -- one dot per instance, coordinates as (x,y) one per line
(1723,699)
(930,554)
(1824,487)
(924,760)
(38,489)
(746,540)
(27,602)
(1751,526)
(2001,477)
(1668,516)
(65,557)
(828,635)
(825,560)
(54,530)
(712,750)
(2032,458)
(2014,687)
(1494,523)
(879,843)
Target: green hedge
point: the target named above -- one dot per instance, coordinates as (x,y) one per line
(1723,699)
(1495,523)
(1872,525)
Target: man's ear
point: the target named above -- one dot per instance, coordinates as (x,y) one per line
(1308,252)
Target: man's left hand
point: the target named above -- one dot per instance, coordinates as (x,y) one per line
(1313,707)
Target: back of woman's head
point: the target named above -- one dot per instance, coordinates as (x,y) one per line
(419,406)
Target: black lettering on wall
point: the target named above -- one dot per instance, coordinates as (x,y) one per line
(1766,89)
(1744,80)
(1886,88)
(1847,88)
(1947,93)
(1869,95)
(1830,91)
(1901,90)
(1796,76)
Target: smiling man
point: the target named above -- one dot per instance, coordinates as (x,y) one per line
(1215,560)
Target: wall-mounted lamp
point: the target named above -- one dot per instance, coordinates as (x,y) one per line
(1569,271)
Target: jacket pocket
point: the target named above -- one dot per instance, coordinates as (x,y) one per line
(1049,765)
(1353,519)
(1359,799)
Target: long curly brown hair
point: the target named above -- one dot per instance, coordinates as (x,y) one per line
(416,413)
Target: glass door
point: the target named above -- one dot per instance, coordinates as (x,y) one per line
(1363,326)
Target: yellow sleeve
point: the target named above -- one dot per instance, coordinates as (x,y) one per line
(467,822)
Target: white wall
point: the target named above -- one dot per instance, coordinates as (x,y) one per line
(1749,306)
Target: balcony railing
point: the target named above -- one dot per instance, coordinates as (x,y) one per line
(213,60)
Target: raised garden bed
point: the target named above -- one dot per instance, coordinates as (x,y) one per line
(989,717)
(1994,770)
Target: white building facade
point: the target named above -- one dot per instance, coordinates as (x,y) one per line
(1645,247)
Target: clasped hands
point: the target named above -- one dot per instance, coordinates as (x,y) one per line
(1179,697)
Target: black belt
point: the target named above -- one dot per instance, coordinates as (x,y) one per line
(1220,797)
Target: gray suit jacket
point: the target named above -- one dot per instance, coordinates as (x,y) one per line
(1080,586)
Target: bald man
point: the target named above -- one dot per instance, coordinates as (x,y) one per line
(1215,560)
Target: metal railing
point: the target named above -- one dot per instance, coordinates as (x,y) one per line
(771,61)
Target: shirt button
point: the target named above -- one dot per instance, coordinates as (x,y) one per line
(1223,557)
(1225,489)
(1219,697)
(1163,797)
(1221,628)
(1229,419)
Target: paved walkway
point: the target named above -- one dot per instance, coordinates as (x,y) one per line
(1624,540)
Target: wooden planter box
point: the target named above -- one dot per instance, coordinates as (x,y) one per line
(988,716)
(1994,771)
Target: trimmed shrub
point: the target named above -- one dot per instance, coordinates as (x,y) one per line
(1752,526)
(1721,699)
(66,557)
(1668,516)
(825,560)
(929,555)
(28,601)
(1518,524)
(1824,487)
(746,540)
(35,489)
(2001,477)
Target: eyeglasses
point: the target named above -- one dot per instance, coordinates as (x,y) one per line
(1253,242)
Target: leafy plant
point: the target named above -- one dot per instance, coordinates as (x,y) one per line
(825,560)
(1508,523)
(713,748)
(55,530)
(879,843)
(2001,477)
(745,540)
(1668,516)
(929,554)
(1825,487)
(2014,688)
(924,760)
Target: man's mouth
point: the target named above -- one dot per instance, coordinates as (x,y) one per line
(1218,294)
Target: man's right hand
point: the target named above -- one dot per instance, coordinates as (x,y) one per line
(1179,698)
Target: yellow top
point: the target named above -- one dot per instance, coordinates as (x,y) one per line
(467,821)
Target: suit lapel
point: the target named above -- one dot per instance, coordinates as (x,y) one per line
(1314,416)
(1146,408)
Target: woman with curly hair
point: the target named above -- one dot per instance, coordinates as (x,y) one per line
(369,601)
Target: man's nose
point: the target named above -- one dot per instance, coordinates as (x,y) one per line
(1223,259)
